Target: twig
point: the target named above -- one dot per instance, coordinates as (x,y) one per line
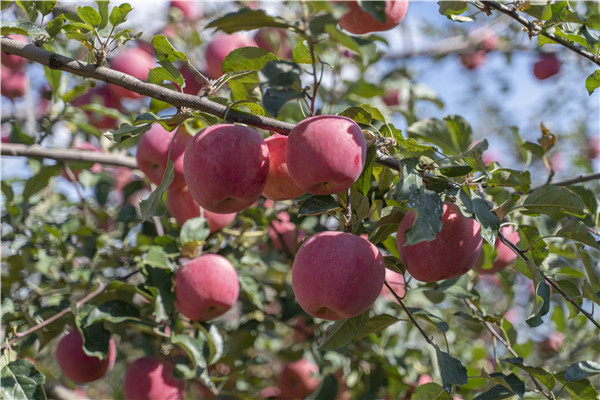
(533,29)
(572,181)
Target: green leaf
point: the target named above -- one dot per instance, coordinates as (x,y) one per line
(316,205)
(576,230)
(357,114)
(29,8)
(490,224)
(115,311)
(160,283)
(165,50)
(430,391)
(512,382)
(156,257)
(452,135)
(247,19)
(581,370)
(103,11)
(275,99)
(376,324)
(302,54)
(592,82)
(429,317)
(21,381)
(449,8)
(89,16)
(340,37)
(541,305)
(554,201)
(592,270)
(375,8)
(22,28)
(460,132)
(542,375)
(40,180)
(45,7)
(520,180)
(428,222)
(496,393)
(410,181)
(96,339)
(118,15)
(534,148)
(455,170)
(451,370)
(192,347)
(194,230)
(126,131)
(341,333)
(278,74)
(363,183)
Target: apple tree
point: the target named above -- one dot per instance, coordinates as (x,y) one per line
(263,200)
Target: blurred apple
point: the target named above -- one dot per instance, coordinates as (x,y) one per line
(274,40)
(546,66)
(396,282)
(190,9)
(132,61)
(220,46)
(299,379)
(12,83)
(13,61)
(76,365)
(359,22)
(149,378)
(473,59)
(283,233)
(99,95)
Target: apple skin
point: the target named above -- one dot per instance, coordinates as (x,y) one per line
(359,22)
(325,154)
(473,59)
(298,379)
(280,185)
(396,282)
(451,254)
(337,275)
(12,83)
(220,47)
(226,167)
(505,254)
(101,93)
(152,154)
(193,83)
(206,287)
(182,206)
(148,378)
(190,9)
(547,65)
(13,61)
(283,234)
(132,61)
(78,366)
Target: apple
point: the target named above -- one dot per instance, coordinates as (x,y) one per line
(190,9)
(152,153)
(473,59)
(280,185)
(182,206)
(220,47)
(299,379)
(359,22)
(425,378)
(552,343)
(274,40)
(396,282)
(13,61)
(283,233)
(451,254)
(193,82)
(99,95)
(325,154)
(391,98)
(206,287)
(12,83)
(593,148)
(132,61)
(337,275)
(270,392)
(546,66)
(505,254)
(148,378)
(78,366)
(226,167)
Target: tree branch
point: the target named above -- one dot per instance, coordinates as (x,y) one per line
(573,180)
(36,151)
(535,30)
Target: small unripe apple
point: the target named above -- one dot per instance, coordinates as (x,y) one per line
(220,47)
(148,378)
(226,167)
(206,287)
(182,206)
(78,366)
(13,61)
(337,275)
(505,254)
(473,59)
(546,66)
(132,61)
(451,254)
(280,185)
(359,22)
(99,95)
(396,282)
(325,154)
(299,379)
(12,83)
(152,153)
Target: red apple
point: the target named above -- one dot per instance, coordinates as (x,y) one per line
(190,9)
(152,153)
(283,233)
(325,154)
(193,82)
(13,61)
(451,254)
(396,282)
(148,378)
(423,379)
(220,47)
(359,22)
(99,95)
(12,83)
(206,287)
(78,366)
(280,185)
(473,59)
(391,98)
(337,275)
(274,40)
(546,66)
(299,379)
(132,61)
(182,206)
(505,254)
(593,148)
(226,167)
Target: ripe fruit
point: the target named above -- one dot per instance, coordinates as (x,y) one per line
(132,61)
(451,254)
(299,379)
(280,185)
(13,61)
(546,66)
(99,95)
(12,83)
(337,275)
(182,206)
(473,59)
(274,40)
(396,282)
(505,254)
(359,22)
(193,83)
(148,378)
(190,9)
(226,167)
(283,234)
(206,287)
(153,150)
(325,154)
(219,47)
(391,98)
(78,366)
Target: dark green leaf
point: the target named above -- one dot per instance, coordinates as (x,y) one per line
(363,183)
(576,230)
(410,182)
(275,99)
(534,148)
(358,114)
(328,388)
(45,7)
(496,393)
(246,19)
(115,311)
(451,370)
(429,317)
(554,201)
(521,180)
(316,205)
(341,333)
(541,305)
(430,391)
(428,222)
(376,324)
(126,131)
(96,339)
(194,230)
(29,8)
(160,284)
(544,376)
(456,170)
(20,380)
(581,370)
(278,74)
(193,348)
(40,180)
(490,224)
(375,8)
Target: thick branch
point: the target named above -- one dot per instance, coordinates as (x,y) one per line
(535,30)
(36,151)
